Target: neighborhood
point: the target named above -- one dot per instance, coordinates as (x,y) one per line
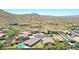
(51,40)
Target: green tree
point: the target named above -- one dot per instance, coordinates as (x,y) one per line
(61,46)
(2,38)
(11,32)
(1,46)
(76,45)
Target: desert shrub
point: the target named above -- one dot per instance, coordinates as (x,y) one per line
(50,47)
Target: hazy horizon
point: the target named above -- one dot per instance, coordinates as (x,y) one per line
(53,12)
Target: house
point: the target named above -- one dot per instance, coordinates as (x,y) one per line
(39,35)
(70,38)
(31,42)
(44,31)
(4,30)
(2,34)
(76,39)
(75,33)
(66,32)
(22,34)
(63,36)
(13,22)
(48,41)
(0,28)
(21,37)
(28,33)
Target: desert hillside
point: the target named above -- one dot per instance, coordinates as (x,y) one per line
(36,21)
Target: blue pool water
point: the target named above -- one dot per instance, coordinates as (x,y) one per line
(21,46)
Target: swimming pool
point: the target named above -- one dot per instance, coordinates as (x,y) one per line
(21,46)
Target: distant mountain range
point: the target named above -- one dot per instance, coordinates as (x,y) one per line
(6,18)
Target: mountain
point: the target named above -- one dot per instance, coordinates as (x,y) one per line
(6,18)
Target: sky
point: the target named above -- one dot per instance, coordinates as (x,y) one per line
(54,12)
